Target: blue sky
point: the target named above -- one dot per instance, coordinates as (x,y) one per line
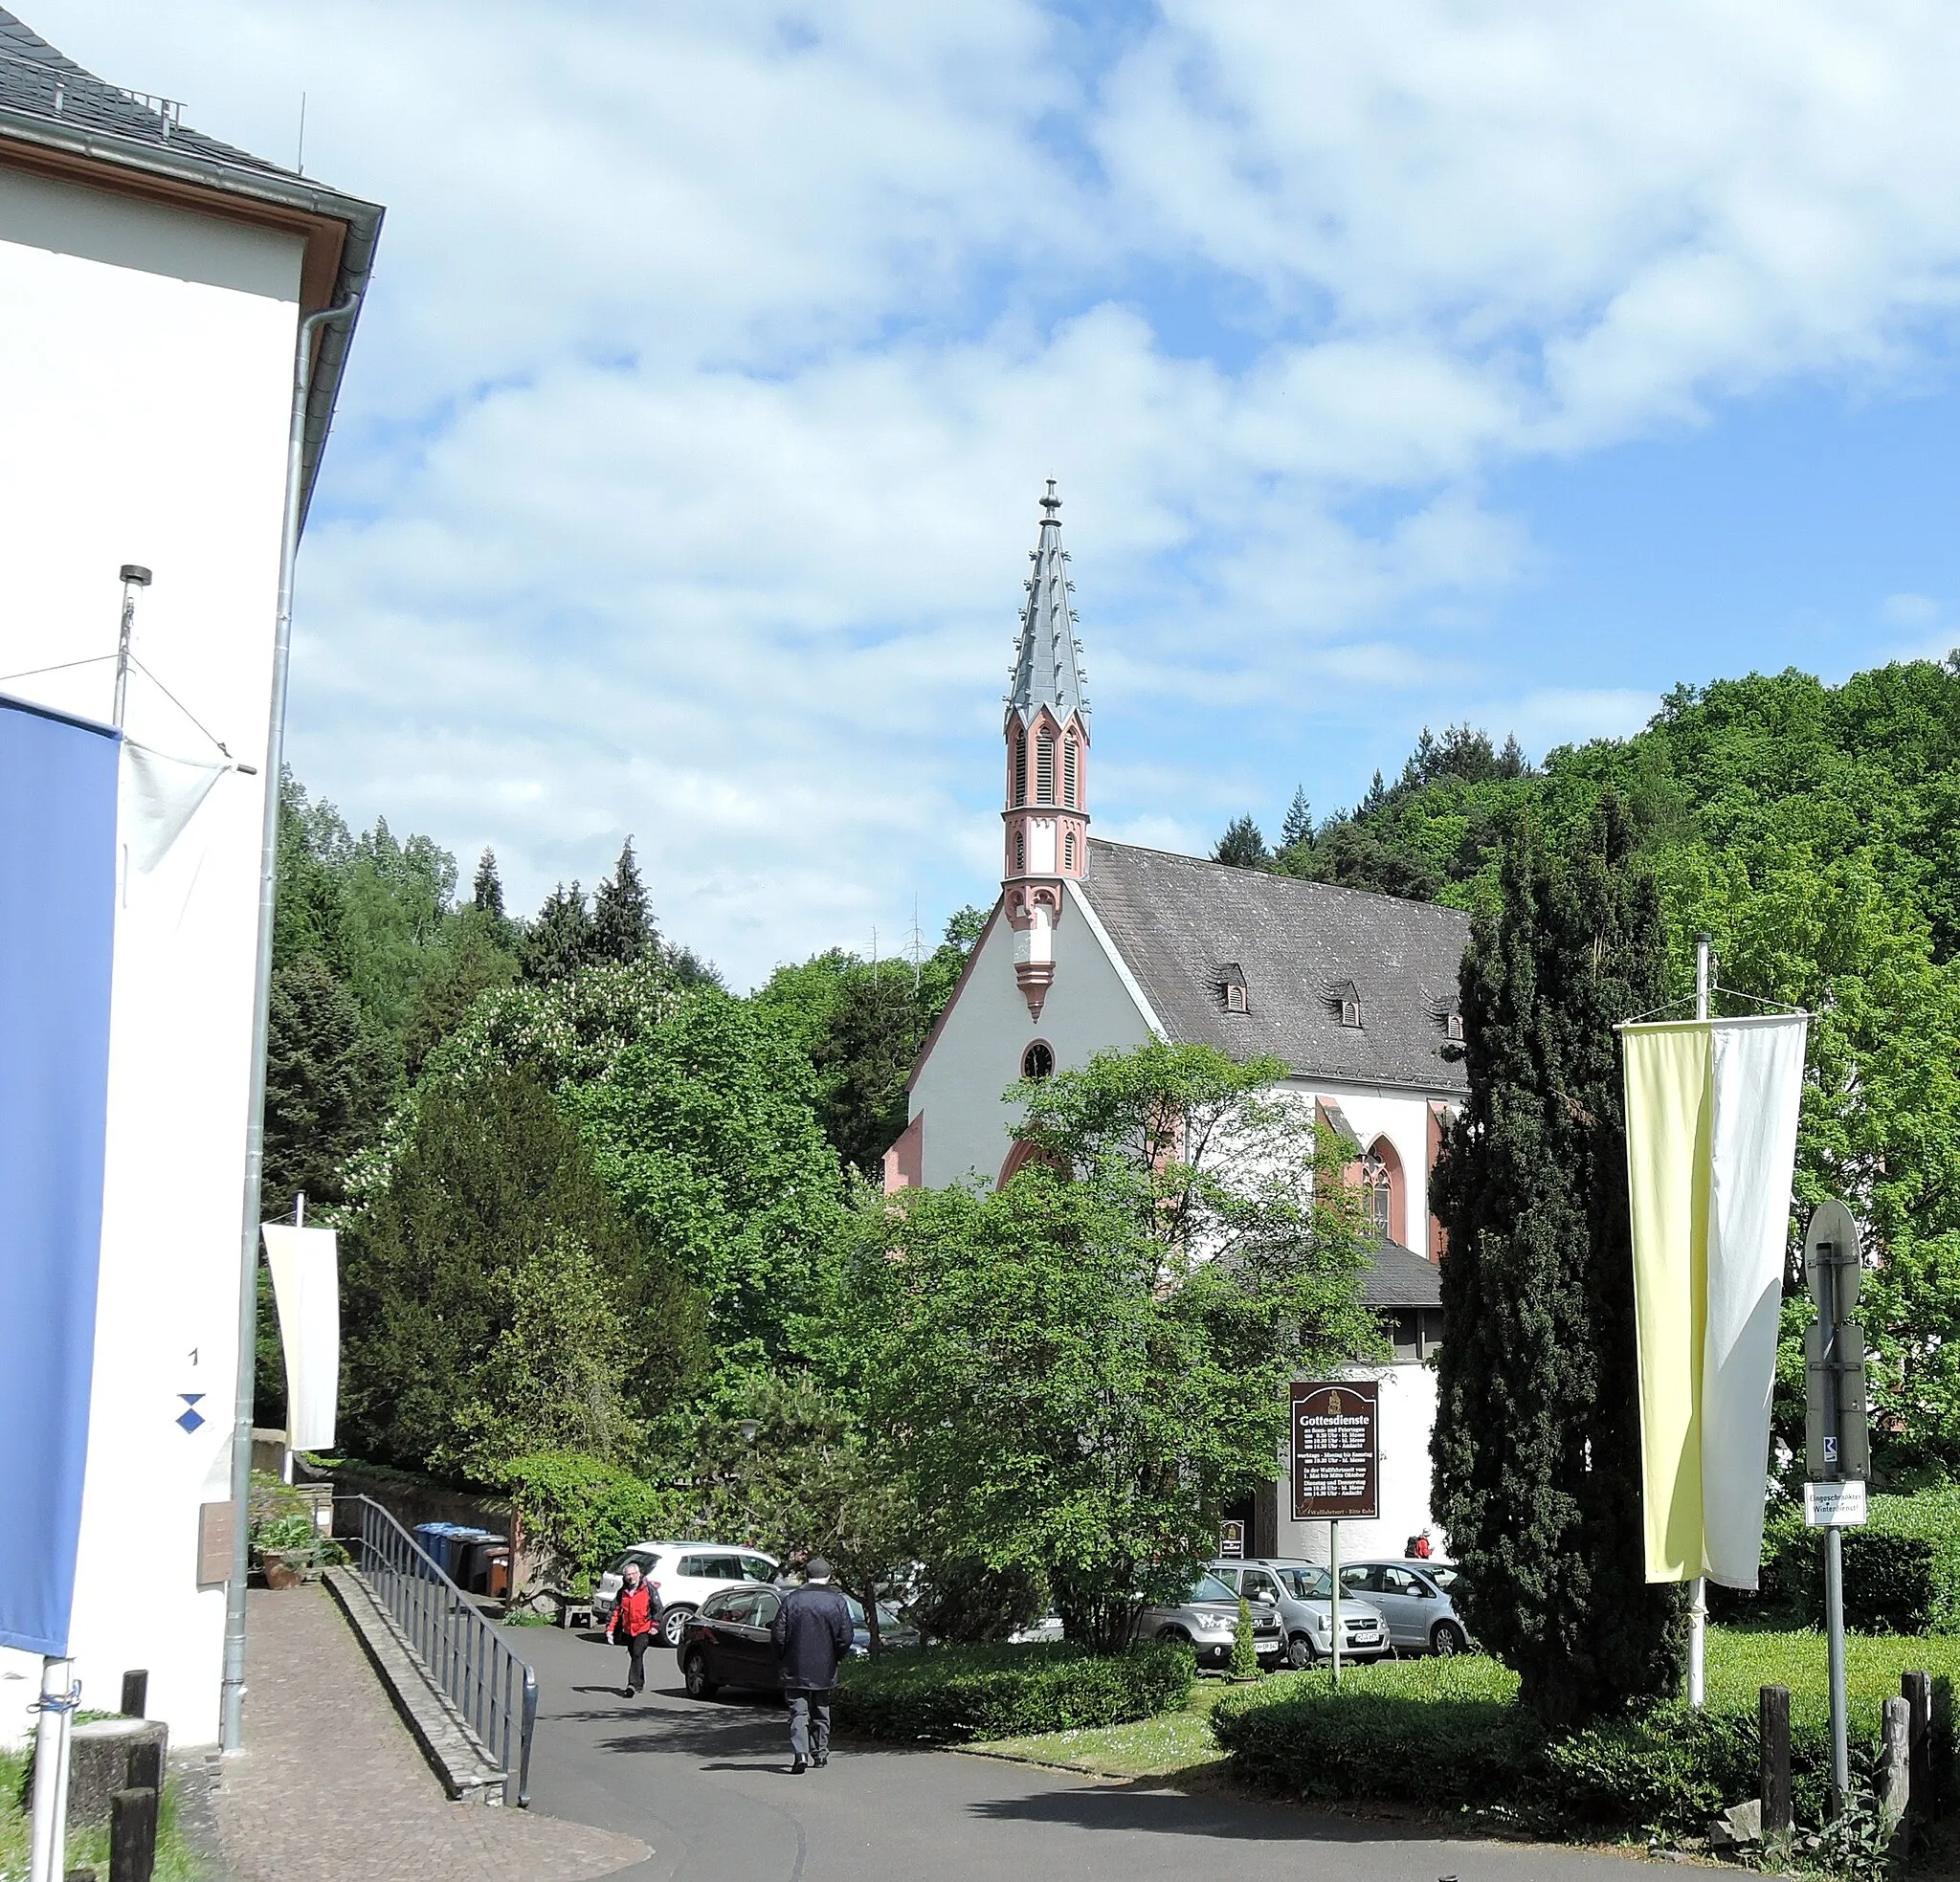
(1399,365)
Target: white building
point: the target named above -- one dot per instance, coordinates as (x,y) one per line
(151,285)
(1096,947)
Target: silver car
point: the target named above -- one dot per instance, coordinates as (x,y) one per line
(1301,1595)
(1208,1620)
(1414,1597)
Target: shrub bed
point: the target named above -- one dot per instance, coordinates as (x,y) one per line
(1448,1735)
(954,1694)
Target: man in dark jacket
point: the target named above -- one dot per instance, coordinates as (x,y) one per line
(811,1633)
(635,1619)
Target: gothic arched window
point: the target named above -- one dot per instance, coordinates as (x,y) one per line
(1381,1191)
(1020,778)
(1068,849)
(1068,773)
(1044,769)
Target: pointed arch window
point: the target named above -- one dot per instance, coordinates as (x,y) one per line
(1044,769)
(1068,773)
(1020,851)
(1381,1191)
(1068,849)
(1020,778)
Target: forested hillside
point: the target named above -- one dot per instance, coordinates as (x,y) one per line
(1811,831)
(583,1187)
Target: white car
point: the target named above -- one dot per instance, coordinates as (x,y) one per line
(684,1575)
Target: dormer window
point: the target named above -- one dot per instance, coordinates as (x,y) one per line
(1232,983)
(1350,1012)
(1343,997)
(1454,1026)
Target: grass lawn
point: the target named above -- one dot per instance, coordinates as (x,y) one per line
(1740,1660)
(89,1848)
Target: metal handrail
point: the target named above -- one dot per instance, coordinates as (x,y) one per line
(495,1693)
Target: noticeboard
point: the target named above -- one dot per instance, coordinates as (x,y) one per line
(1336,1470)
(1231,1541)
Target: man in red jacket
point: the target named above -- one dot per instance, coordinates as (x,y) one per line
(635,1619)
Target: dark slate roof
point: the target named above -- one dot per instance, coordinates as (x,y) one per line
(1399,1277)
(46,99)
(37,78)
(1177,921)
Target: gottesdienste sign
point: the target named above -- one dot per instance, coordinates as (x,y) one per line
(1335,1458)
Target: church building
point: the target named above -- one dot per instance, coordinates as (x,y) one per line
(1098,947)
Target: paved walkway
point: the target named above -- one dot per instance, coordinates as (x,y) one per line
(708,1786)
(331,1786)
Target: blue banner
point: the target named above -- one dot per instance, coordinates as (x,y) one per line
(57,926)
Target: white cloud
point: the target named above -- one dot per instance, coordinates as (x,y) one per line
(717,353)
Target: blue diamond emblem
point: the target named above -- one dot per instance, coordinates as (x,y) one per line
(191,1418)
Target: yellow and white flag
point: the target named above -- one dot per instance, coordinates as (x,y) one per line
(1711,1141)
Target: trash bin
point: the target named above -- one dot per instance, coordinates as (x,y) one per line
(437,1539)
(469,1565)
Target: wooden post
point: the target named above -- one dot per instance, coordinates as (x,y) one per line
(136,1693)
(1918,1691)
(1894,1779)
(146,1771)
(1773,1714)
(132,1835)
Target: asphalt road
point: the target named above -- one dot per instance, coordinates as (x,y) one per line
(708,1786)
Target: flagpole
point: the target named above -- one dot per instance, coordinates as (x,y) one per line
(1698,1588)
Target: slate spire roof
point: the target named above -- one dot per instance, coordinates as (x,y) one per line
(1047,669)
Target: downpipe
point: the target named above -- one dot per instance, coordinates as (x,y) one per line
(232,1697)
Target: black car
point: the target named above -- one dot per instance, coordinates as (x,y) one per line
(725,1642)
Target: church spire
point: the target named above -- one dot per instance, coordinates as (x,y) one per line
(1046,818)
(1047,655)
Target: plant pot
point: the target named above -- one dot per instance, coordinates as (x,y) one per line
(284,1571)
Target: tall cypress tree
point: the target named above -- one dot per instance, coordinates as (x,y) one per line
(1537,1445)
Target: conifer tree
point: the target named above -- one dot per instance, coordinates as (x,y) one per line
(559,940)
(1536,1444)
(487,892)
(622,923)
(1241,846)
(1299,824)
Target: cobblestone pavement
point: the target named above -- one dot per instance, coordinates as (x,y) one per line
(332,1787)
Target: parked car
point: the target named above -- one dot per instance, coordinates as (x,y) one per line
(726,1641)
(1301,1595)
(1414,1597)
(1047,1628)
(684,1575)
(1207,1619)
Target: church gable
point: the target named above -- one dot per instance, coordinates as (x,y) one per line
(1337,984)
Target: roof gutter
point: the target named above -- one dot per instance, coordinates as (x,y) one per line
(274,194)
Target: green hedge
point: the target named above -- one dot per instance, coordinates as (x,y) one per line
(950,1695)
(1901,1572)
(1448,1733)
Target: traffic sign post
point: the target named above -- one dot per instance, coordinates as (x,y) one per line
(1836,1437)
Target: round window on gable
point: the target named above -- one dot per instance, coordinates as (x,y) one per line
(1039,1060)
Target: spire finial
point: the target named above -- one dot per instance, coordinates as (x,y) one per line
(1051,504)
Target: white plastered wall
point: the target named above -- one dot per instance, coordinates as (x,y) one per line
(145,361)
(977,1055)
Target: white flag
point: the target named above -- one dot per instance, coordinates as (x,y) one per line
(305,1281)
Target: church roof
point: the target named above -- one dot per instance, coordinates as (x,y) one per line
(1396,1277)
(1047,667)
(1308,955)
